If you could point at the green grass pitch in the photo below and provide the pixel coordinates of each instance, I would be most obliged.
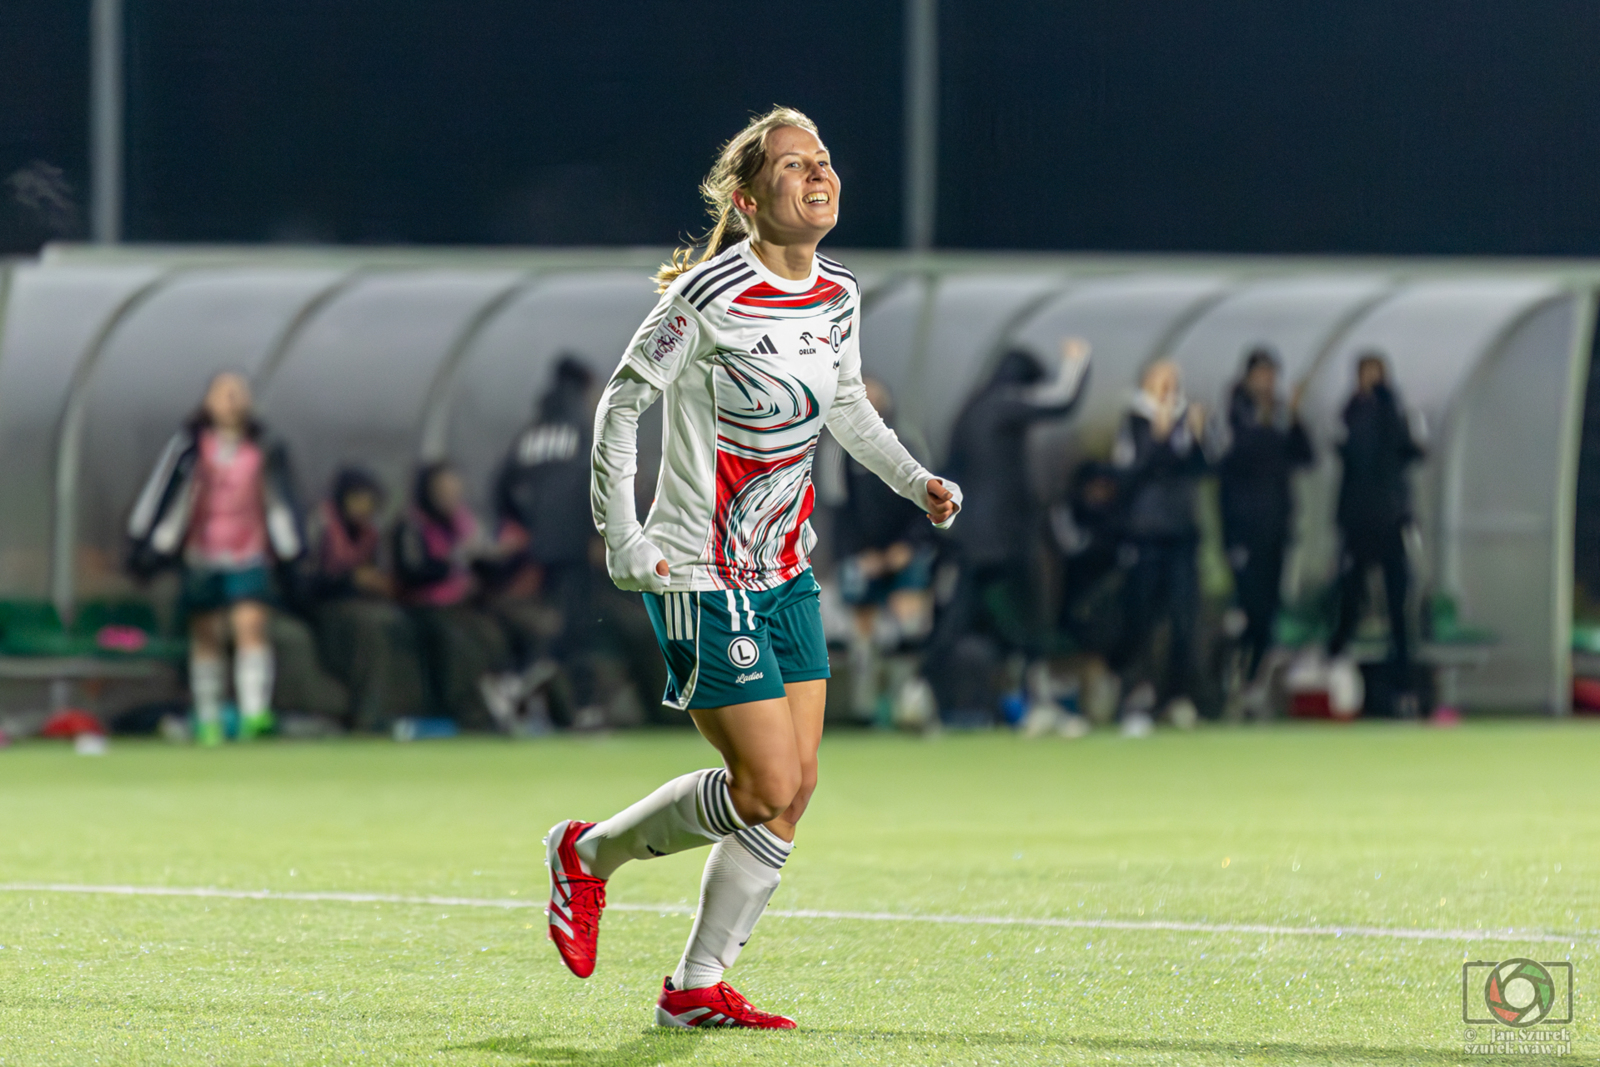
(1490, 826)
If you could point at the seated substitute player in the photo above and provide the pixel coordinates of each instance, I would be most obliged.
(755, 346)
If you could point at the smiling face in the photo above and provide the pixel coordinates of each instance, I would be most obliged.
(795, 197)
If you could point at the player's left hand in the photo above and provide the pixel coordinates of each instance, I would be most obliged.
(941, 504)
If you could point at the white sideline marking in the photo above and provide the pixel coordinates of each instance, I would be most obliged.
(1401, 933)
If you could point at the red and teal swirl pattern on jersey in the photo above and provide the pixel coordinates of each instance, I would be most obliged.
(767, 426)
(764, 301)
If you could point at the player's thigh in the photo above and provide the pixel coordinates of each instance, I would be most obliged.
(807, 701)
(758, 744)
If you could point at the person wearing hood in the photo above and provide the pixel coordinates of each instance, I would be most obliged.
(1374, 510)
(994, 543)
(439, 550)
(1160, 458)
(542, 497)
(1267, 445)
(364, 638)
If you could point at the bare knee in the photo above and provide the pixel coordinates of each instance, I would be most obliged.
(250, 625)
(205, 634)
(808, 785)
(761, 794)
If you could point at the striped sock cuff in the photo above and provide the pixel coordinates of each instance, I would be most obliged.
(765, 846)
(716, 806)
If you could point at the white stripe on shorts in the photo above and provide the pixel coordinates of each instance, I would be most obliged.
(677, 611)
(733, 612)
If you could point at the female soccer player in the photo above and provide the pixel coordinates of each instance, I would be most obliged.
(221, 500)
(756, 347)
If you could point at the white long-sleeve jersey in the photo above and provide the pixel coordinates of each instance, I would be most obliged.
(753, 366)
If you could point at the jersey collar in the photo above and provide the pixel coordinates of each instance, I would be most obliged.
(788, 285)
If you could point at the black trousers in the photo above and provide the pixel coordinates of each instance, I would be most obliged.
(559, 625)
(1162, 583)
(1363, 550)
(1258, 582)
(459, 645)
(994, 598)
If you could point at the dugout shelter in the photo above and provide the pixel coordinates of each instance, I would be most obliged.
(386, 357)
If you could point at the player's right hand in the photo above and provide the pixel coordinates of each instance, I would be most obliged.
(637, 566)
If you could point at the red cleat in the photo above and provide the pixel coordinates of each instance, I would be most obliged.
(718, 1005)
(576, 899)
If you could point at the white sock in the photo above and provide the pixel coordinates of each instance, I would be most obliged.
(205, 685)
(252, 680)
(741, 876)
(688, 812)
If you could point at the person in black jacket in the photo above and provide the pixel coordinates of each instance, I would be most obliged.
(1159, 454)
(1374, 510)
(543, 491)
(1268, 445)
(1087, 530)
(994, 542)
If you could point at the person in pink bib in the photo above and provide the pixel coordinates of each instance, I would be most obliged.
(220, 504)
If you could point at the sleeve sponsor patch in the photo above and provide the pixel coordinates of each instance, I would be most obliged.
(672, 337)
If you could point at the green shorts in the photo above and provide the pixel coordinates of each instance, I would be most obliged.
(735, 646)
(215, 588)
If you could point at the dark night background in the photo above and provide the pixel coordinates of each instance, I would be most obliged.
(1469, 126)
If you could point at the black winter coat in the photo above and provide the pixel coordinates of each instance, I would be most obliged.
(989, 459)
(1374, 494)
(159, 523)
(1158, 479)
(544, 482)
(1256, 498)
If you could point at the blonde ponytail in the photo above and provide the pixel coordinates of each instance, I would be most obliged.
(737, 165)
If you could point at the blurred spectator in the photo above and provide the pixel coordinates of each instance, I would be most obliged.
(1087, 531)
(365, 639)
(995, 540)
(542, 495)
(437, 544)
(884, 547)
(1159, 455)
(1267, 445)
(1374, 510)
(221, 499)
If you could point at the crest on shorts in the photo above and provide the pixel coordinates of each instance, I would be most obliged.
(742, 652)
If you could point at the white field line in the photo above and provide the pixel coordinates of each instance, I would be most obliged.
(1400, 933)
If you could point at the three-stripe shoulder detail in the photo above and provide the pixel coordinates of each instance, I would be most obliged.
(721, 284)
(834, 267)
(704, 275)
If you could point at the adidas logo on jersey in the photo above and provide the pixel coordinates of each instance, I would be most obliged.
(765, 346)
